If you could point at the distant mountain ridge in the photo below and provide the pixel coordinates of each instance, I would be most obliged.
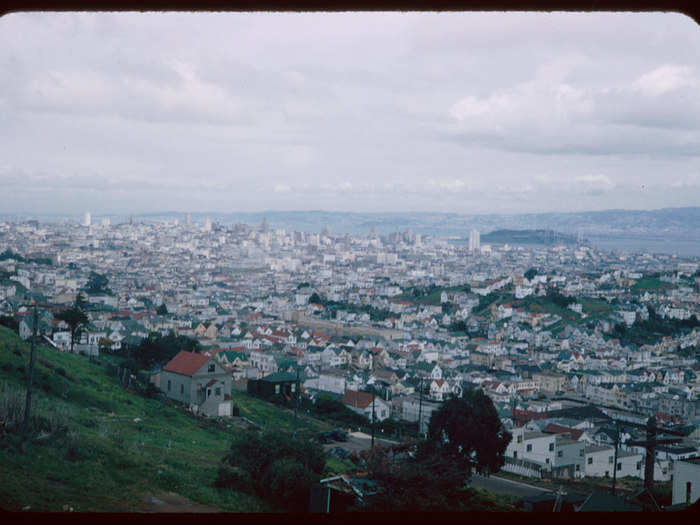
(627, 222)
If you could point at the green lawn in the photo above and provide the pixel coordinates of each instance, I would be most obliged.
(267, 414)
(650, 284)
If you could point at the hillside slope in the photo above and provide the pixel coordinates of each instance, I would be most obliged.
(98, 447)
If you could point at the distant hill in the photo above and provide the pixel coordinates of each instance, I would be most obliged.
(547, 237)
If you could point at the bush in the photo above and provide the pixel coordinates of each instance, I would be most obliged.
(289, 482)
(274, 465)
(6, 367)
(234, 478)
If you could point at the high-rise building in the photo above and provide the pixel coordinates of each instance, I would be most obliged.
(265, 227)
(106, 221)
(88, 219)
(187, 219)
(474, 241)
(207, 225)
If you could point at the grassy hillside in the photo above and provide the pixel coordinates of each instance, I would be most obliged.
(98, 447)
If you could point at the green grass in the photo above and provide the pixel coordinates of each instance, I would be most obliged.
(267, 414)
(650, 284)
(116, 461)
(336, 466)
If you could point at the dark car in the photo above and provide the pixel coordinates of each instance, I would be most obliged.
(338, 435)
(325, 437)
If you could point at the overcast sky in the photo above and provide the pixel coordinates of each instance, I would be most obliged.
(466, 113)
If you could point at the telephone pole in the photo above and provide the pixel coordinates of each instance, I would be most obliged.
(617, 444)
(28, 404)
(420, 404)
(373, 394)
(296, 403)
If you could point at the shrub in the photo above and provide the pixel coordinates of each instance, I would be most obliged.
(234, 478)
(6, 367)
(289, 482)
(61, 371)
(277, 467)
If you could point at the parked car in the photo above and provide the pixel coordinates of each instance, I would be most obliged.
(338, 435)
(325, 437)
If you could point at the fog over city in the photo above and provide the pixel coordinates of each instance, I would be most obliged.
(368, 112)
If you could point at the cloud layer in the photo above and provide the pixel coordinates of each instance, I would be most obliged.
(461, 112)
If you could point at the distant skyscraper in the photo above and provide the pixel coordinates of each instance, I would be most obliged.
(265, 227)
(207, 225)
(474, 241)
(88, 219)
(187, 219)
(106, 221)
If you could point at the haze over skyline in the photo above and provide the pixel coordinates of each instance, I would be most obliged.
(369, 112)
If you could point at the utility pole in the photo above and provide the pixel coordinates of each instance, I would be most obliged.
(296, 403)
(420, 404)
(617, 444)
(373, 394)
(28, 404)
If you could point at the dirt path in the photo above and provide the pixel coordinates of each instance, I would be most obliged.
(171, 502)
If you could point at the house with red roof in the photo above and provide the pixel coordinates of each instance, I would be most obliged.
(198, 381)
(361, 402)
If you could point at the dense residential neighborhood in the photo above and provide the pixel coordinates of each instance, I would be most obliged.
(566, 340)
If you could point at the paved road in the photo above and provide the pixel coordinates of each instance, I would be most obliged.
(358, 443)
(506, 486)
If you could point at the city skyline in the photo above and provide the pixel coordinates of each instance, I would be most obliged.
(473, 113)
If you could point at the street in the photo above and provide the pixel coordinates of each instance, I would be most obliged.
(500, 485)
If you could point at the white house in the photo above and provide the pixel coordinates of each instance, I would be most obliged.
(364, 403)
(686, 481)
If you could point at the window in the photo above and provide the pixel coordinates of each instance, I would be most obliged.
(590, 461)
(560, 453)
(551, 447)
(688, 487)
(610, 460)
(547, 461)
(607, 473)
(515, 454)
(520, 439)
(212, 367)
(277, 389)
(580, 452)
(529, 448)
(294, 387)
(639, 465)
(208, 392)
(169, 385)
(182, 389)
(619, 466)
(578, 467)
(217, 392)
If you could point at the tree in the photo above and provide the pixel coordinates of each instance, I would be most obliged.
(97, 284)
(274, 465)
(105, 344)
(530, 274)
(159, 349)
(162, 309)
(468, 432)
(75, 318)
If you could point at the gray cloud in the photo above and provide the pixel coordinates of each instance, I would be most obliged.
(464, 112)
